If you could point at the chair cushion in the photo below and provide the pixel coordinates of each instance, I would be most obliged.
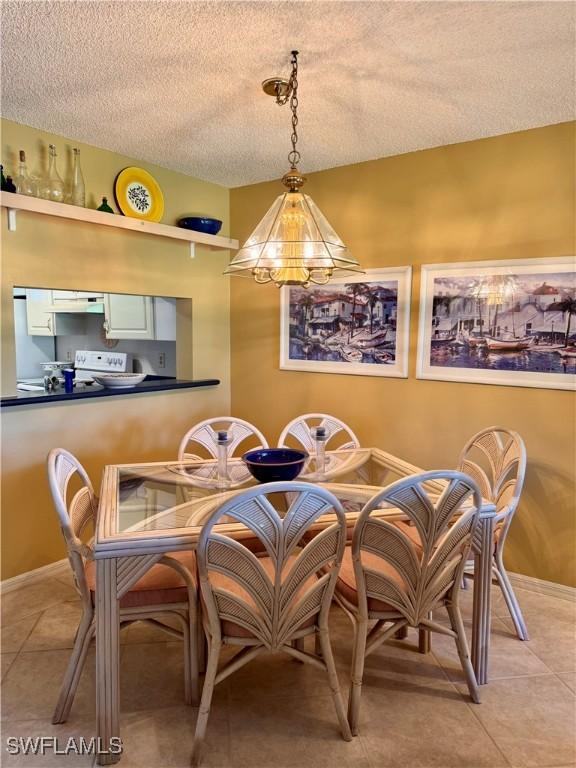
(220, 581)
(346, 584)
(160, 585)
(411, 531)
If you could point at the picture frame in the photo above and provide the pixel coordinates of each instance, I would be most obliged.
(353, 325)
(510, 323)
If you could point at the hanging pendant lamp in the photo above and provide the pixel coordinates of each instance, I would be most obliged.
(293, 244)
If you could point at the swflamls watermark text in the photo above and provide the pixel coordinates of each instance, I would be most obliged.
(44, 745)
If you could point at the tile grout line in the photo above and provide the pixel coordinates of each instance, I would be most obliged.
(481, 724)
(19, 651)
(564, 683)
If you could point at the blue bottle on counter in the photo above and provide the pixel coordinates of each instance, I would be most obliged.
(68, 374)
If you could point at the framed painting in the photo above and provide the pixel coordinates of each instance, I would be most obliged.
(357, 325)
(499, 322)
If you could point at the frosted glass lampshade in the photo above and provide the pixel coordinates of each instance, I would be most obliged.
(293, 245)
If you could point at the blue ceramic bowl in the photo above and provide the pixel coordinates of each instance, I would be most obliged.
(200, 224)
(268, 465)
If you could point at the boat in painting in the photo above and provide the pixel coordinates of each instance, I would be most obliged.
(374, 340)
(567, 352)
(442, 342)
(512, 344)
(473, 341)
(383, 357)
(351, 354)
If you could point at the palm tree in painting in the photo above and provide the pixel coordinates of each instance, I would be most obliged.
(567, 305)
(356, 289)
(306, 303)
(372, 301)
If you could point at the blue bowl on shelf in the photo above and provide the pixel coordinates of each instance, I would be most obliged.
(269, 465)
(201, 224)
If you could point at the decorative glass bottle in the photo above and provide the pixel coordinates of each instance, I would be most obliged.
(104, 206)
(52, 187)
(25, 184)
(223, 441)
(319, 436)
(78, 190)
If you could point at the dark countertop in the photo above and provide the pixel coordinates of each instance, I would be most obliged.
(150, 384)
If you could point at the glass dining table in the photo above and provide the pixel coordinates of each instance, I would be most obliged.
(149, 510)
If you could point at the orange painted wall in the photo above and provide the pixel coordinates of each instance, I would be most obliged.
(508, 197)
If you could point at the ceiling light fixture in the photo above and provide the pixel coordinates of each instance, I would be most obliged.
(293, 244)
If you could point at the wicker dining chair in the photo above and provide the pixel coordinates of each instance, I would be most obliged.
(299, 430)
(269, 603)
(397, 579)
(496, 459)
(205, 436)
(166, 591)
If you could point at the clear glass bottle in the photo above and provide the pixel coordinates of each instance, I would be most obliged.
(52, 187)
(319, 436)
(78, 190)
(25, 184)
(223, 441)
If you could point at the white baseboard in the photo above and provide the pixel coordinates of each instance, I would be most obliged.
(31, 577)
(550, 588)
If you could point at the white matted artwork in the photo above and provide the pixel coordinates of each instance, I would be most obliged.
(357, 325)
(511, 323)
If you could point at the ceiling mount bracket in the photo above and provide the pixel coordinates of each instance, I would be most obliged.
(278, 87)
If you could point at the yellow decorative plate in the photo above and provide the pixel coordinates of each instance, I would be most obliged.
(138, 194)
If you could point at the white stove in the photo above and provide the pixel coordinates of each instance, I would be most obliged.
(86, 363)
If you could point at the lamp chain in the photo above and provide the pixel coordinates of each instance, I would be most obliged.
(292, 94)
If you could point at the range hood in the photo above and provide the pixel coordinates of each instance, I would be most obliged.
(77, 306)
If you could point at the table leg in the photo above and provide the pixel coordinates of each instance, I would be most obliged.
(107, 662)
(482, 593)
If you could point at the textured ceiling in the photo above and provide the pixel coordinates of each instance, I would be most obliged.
(178, 83)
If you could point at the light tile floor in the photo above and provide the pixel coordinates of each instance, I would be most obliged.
(276, 712)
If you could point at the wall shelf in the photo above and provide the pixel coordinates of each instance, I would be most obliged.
(13, 202)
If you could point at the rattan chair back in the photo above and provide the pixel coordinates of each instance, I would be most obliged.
(496, 459)
(418, 580)
(272, 608)
(76, 514)
(204, 435)
(299, 431)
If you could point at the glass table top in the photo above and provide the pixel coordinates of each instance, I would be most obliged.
(157, 497)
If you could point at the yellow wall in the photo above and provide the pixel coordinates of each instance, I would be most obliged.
(500, 198)
(54, 253)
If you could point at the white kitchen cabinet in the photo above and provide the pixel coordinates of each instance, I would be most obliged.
(164, 319)
(73, 295)
(41, 322)
(128, 317)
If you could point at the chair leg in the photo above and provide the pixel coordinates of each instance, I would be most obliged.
(205, 702)
(425, 639)
(510, 597)
(462, 645)
(84, 634)
(402, 633)
(192, 649)
(324, 640)
(187, 662)
(360, 632)
(299, 645)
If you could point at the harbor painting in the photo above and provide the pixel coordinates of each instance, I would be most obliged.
(511, 323)
(356, 325)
